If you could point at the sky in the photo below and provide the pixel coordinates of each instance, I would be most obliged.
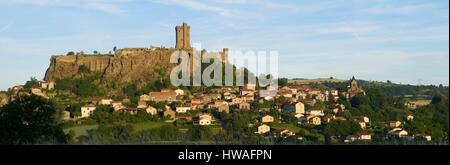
(404, 41)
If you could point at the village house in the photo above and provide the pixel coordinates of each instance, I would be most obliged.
(365, 136)
(398, 132)
(182, 109)
(211, 97)
(310, 102)
(363, 121)
(166, 90)
(117, 105)
(283, 133)
(224, 108)
(269, 98)
(248, 98)
(151, 110)
(286, 94)
(299, 108)
(66, 115)
(87, 111)
(340, 118)
(410, 117)
(262, 129)
(328, 118)
(244, 106)
(264, 110)
(168, 96)
(144, 97)
(131, 111)
(211, 105)
(3, 99)
(393, 123)
(320, 97)
(292, 100)
(38, 92)
(314, 120)
(105, 102)
(205, 119)
(296, 107)
(170, 113)
(227, 96)
(299, 115)
(334, 95)
(267, 119)
(362, 124)
(219, 103)
(361, 136)
(290, 89)
(196, 101)
(334, 92)
(185, 118)
(301, 95)
(423, 136)
(142, 105)
(194, 106)
(351, 138)
(313, 92)
(315, 112)
(47, 85)
(236, 100)
(179, 92)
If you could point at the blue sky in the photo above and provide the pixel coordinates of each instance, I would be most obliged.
(399, 40)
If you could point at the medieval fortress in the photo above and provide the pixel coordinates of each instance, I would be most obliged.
(128, 64)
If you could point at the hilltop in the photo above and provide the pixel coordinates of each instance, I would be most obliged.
(317, 80)
(110, 73)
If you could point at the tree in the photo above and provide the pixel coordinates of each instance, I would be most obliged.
(169, 133)
(102, 114)
(437, 99)
(70, 53)
(283, 82)
(197, 133)
(109, 134)
(359, 100)
(342, 128)
(30, 120)
(33, 82)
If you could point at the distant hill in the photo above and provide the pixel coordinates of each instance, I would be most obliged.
(317, 80)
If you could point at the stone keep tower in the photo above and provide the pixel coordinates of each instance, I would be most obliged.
(183, 36)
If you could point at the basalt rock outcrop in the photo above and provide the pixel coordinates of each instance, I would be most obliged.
(125, 66)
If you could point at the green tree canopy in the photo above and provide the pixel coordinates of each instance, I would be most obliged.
(30, 120)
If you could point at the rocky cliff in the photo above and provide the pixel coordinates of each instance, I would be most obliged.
(124, 67)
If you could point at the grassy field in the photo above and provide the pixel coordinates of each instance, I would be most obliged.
(80, 130)
(148, 125)
(290, 127)
(422, 102)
